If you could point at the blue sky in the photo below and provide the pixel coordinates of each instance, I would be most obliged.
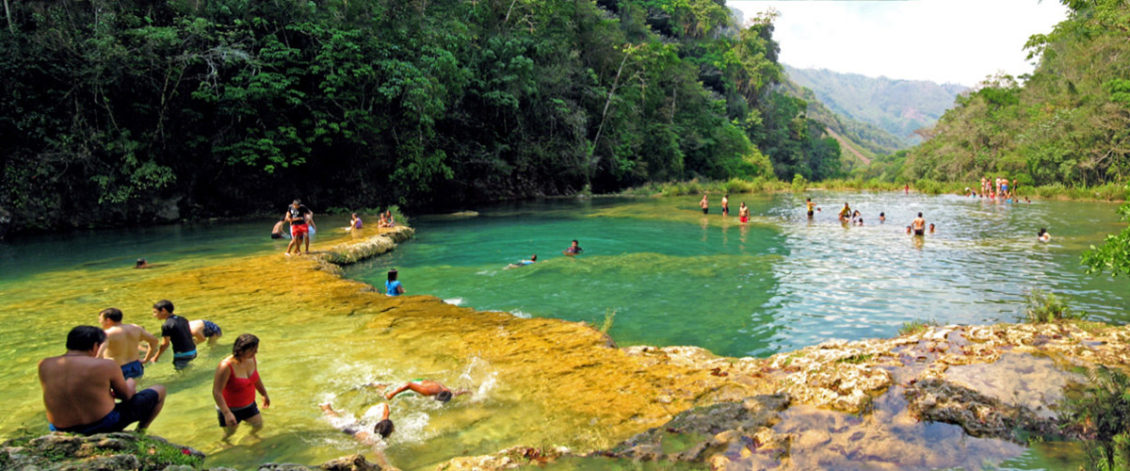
(957, 41)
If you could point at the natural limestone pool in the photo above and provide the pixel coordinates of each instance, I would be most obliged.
(534, 382)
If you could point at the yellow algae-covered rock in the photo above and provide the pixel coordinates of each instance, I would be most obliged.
(358, 249)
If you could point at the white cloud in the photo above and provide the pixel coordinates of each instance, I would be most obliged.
(960, 41)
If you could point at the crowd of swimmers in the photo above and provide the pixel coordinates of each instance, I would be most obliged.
(93, 387)
(918, 227)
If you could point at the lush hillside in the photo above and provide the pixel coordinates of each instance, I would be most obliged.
(1069, 122)
(860, 143)
(899, 107)
(129, 111)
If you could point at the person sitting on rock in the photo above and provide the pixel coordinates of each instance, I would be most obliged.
(79, 389)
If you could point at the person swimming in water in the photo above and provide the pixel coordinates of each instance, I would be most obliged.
(1043, 235)
(424, 387)
(142, 263)
(931, 228)
(393, 286)
(533, 259)
(882, 218)
(574, 249)
(384, 427)
(919, 225)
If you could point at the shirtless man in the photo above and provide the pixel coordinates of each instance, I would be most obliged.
(122, 341)
(79, 389)
(423, 387)
(919, 225)
(704, 204)
(205, 330)
(383, 427)
(725, 205)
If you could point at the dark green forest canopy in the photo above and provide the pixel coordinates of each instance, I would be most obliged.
(133, 111)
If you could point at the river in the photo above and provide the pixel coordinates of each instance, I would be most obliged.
(656, 271)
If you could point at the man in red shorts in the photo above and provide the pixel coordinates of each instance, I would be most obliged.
(296, 215)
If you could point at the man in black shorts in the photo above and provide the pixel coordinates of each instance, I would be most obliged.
(75, 385)
(174, 330)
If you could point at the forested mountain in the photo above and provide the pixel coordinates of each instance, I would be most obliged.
(132, 111)
(1066, 123)
(899, 107)
(860, 142)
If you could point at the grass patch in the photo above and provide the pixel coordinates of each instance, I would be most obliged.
(914, 327)
(856, 359)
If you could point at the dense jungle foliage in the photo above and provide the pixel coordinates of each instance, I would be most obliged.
(132, 111)
(1067, 123)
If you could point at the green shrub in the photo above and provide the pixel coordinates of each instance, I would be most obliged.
(736, 186)
(1100, 411)
(799, 183)
(1047, 307)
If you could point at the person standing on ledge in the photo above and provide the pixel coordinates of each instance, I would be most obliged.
(122, 342)
(77, 387)
(393, 286)
(297, 215)
(234, 386)
(174, 330)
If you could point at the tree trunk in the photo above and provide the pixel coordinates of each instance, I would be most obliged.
(8, 14)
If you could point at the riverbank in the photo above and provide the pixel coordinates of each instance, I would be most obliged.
(1057, 191)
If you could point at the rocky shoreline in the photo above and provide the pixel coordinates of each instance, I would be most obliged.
(947, 396)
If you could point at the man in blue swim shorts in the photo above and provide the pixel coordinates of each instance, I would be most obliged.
(205, 330)
(174, 330)
(122, 341)
(75, 384)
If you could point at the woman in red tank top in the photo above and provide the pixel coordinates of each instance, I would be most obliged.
(237, 379)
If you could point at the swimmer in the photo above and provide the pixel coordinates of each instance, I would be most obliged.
(123, 342)
(1043, 235)
(704, 204)
(531, 261)
(809, 204)
(423, 387)
(725, 205)
(383, 427)
(393, 286)
(743, 213)
(882, 218)
(919, 225)
(277, 232)
(205, 330)
(907, 230)
(573, 249)
(142, 263)
(855, 216)
(931, 228)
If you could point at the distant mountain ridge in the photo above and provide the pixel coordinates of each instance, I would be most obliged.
(897, 106)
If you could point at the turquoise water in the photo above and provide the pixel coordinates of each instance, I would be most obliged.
(666, 275)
